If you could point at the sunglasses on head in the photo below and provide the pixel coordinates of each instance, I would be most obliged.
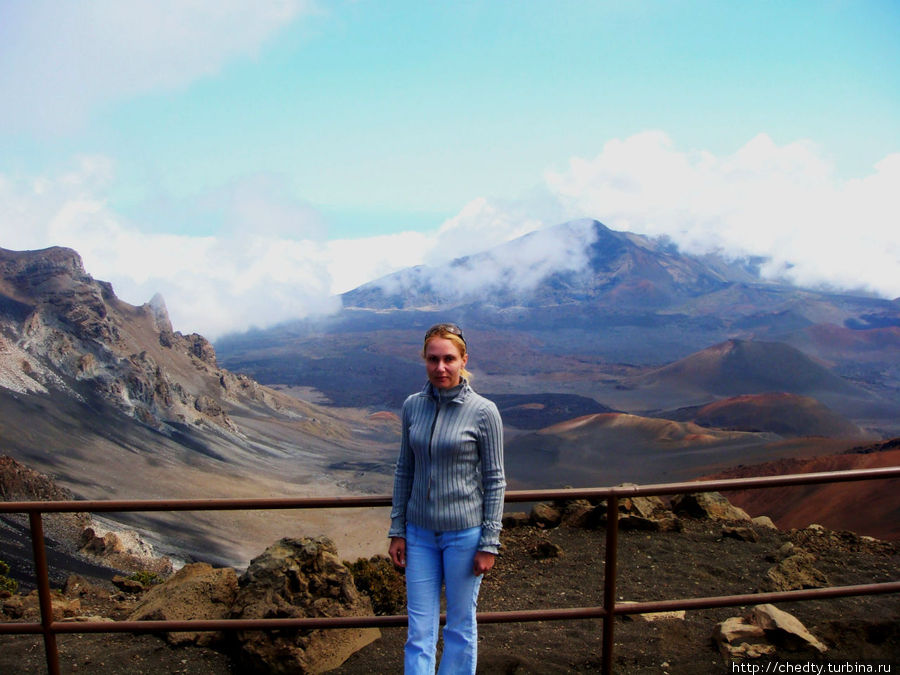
(441, 328)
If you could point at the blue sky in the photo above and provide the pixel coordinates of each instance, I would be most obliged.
(250, 159)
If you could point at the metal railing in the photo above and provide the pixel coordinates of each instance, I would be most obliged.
(607, 612)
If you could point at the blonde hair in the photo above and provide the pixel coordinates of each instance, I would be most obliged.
(452, 332)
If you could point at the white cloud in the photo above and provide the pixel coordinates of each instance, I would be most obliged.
(271, 262)
(783, 202)
(212, 285)
(61, 59)
(354, 262)
(522, 265)
(263, 204)
(480, 225)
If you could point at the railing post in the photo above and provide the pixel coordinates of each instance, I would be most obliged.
(42, 577)
(609, 581)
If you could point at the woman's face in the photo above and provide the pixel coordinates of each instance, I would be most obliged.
(443, 363)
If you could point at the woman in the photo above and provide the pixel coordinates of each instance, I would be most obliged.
(447, 504)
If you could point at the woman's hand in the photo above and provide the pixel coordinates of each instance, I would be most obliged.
(484, 561)
(397, 551)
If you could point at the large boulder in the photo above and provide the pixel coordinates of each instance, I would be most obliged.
(515, 519)
(638, 513)
(765, 631)
(785, 630)
(708, 506)
(28, 607)
(197, 591)
(738, 639)
(546, 514)
(296, 578)
(578, 513)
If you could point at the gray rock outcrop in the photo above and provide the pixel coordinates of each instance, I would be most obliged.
(64, 331)
(110, 549)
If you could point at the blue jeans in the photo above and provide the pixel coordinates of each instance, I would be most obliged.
(433, 558)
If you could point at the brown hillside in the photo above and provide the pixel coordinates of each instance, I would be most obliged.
(112, 402)
(737, 367)
(780, 413)
(869, 507)
(612, 448)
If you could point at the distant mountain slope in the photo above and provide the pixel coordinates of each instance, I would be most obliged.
(584, 310)
(612, 448)
(577, 262)
(865, 351)
(780, 413)
(67, 332)
(748, 367)
(111, 402)
(869, 507)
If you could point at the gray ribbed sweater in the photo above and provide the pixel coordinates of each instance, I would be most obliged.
(449, 473)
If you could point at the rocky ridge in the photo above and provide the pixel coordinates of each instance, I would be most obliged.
(61, 329)
(113, 403)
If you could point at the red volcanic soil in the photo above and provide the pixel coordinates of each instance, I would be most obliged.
(384, 416)
(780, 413)
(652, 428)
(614, 448)
(737, 367)
(865, 507)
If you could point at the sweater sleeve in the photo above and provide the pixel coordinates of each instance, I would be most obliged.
(493, 478)
(403, 480)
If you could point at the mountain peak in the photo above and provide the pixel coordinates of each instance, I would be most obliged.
(32, 274)
(580, 260)
(738, 366)
(159, 312)
(54, 257)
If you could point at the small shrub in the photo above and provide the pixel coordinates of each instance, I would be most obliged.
(7, 584)
(145, 578)
(385, 586)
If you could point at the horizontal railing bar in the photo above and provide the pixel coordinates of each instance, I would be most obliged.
(623, 607)
(362, 501)
(511, 616)
(717, 485)
(227, 504)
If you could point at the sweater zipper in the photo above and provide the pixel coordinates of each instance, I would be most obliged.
(437, 411)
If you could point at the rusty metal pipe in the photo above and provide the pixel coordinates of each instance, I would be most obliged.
(718, 485)
(828, 593)
(510, 616)
(42, 575)
(364, 501)
(225, 504)
(609, 582)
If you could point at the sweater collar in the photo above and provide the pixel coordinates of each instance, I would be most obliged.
(455, 394)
